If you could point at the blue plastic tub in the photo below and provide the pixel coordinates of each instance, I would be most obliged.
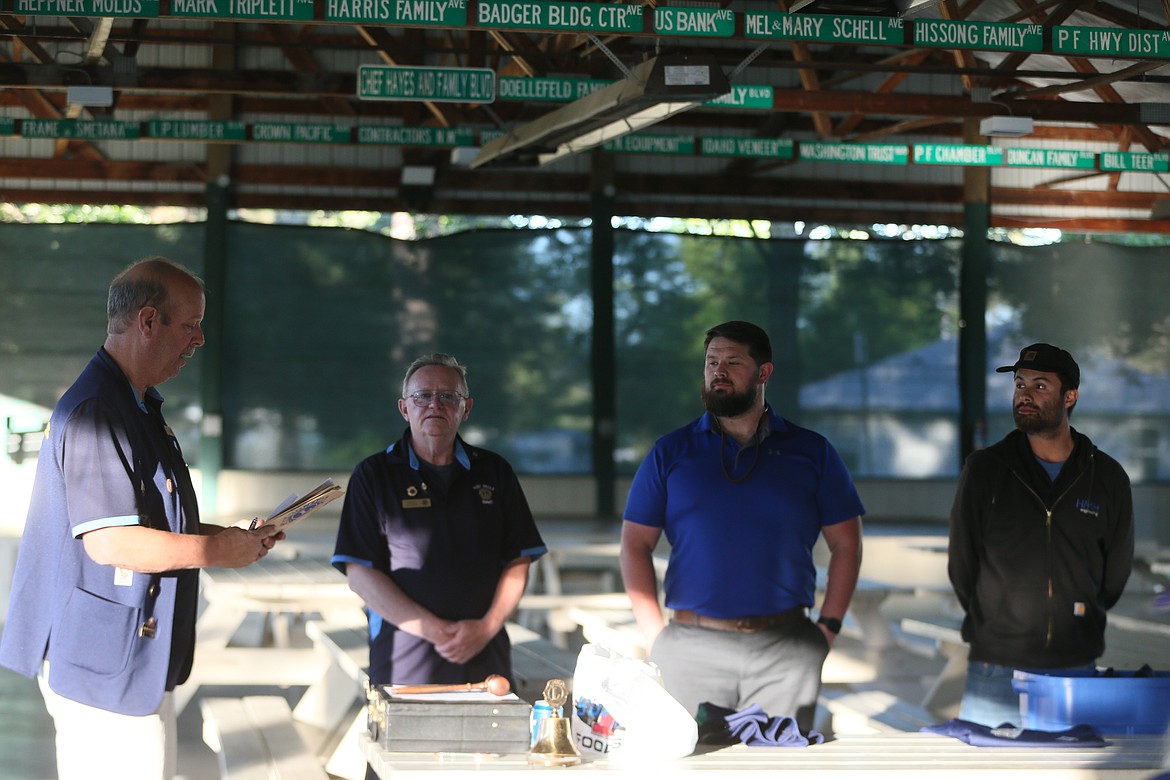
(1120, 704)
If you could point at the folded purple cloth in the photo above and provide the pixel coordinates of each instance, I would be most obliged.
(1000, 736)
(752, 726)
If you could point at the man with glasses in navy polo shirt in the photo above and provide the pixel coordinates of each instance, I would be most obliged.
(742, 495)
(436, 537)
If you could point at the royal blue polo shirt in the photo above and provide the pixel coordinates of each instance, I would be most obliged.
(741, 521)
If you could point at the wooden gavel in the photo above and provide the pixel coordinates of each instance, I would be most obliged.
(495, 684)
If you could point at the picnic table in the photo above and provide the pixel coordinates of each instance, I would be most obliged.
(894, 755)
(275, 588)
(334, 703)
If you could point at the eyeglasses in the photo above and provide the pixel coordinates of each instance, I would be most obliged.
(424, 398)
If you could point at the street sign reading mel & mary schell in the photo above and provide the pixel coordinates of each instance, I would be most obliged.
(439, 85)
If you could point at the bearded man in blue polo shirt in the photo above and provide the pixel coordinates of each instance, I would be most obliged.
(742, 495)
(105, 590)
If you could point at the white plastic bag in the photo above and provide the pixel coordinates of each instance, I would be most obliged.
(622, 712)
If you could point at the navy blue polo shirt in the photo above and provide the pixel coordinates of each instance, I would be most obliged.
(445, 547)
(109, 460)
(741, 533)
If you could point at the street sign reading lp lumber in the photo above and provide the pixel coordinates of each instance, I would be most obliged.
(440, 85)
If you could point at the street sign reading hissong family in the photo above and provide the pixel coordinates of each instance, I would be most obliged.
(955, 34)
(439, 85)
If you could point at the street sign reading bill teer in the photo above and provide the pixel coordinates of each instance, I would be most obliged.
(440, 85)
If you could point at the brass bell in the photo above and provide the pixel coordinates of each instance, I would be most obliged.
(554, 744)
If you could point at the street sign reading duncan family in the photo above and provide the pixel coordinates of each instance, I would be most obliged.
(439, 85)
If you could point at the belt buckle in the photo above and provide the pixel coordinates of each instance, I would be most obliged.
(745, 624)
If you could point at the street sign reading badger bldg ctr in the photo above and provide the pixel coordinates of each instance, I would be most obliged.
(439, 85)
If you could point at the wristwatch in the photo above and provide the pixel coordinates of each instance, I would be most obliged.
(833, 624)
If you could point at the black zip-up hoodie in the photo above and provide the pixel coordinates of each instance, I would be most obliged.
(1036, 564)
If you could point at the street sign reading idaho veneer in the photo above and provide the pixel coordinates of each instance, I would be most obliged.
(439, 85)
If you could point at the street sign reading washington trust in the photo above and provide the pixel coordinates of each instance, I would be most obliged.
(439, 85)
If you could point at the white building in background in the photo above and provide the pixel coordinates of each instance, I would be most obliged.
(899, 417)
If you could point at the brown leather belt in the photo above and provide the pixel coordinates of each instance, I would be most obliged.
(744, 625)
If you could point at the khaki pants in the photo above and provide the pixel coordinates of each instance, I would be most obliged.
(778, 669)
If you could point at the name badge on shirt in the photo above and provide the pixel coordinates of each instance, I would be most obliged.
(415, 503)
(123, 577)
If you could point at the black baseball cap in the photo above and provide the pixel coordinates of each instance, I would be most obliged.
(1045, 357)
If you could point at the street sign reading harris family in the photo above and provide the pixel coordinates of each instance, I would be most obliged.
(439, 85)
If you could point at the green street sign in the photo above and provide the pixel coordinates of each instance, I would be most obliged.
(195, 130)
(544, 89)
(439, 85)
(649, 143)
(414, 136)
(957, 154)
(569, 16)
(780, 26)
(736, 146)
(7, 127)
(695, 22)
(951, 34)
(745, 96)
(1051, 158)
(289, 10)
(89, 129)
(141, 9)
(1109, 42)
(288, 132)
(1135, 161)
(444, 13)
(888, 154)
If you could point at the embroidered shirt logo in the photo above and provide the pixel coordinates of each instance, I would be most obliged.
(486, 493)
(1087, 507)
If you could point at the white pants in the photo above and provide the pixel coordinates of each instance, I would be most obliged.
(95, 744)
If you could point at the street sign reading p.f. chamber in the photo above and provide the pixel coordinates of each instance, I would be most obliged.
(440, 85)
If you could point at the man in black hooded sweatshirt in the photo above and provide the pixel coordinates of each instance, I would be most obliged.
(1041, 541)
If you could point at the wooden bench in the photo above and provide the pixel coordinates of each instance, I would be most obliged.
(946, 691)
(874, 711)
(254, 738)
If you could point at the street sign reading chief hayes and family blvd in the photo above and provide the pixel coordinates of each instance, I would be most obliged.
(440, 85)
